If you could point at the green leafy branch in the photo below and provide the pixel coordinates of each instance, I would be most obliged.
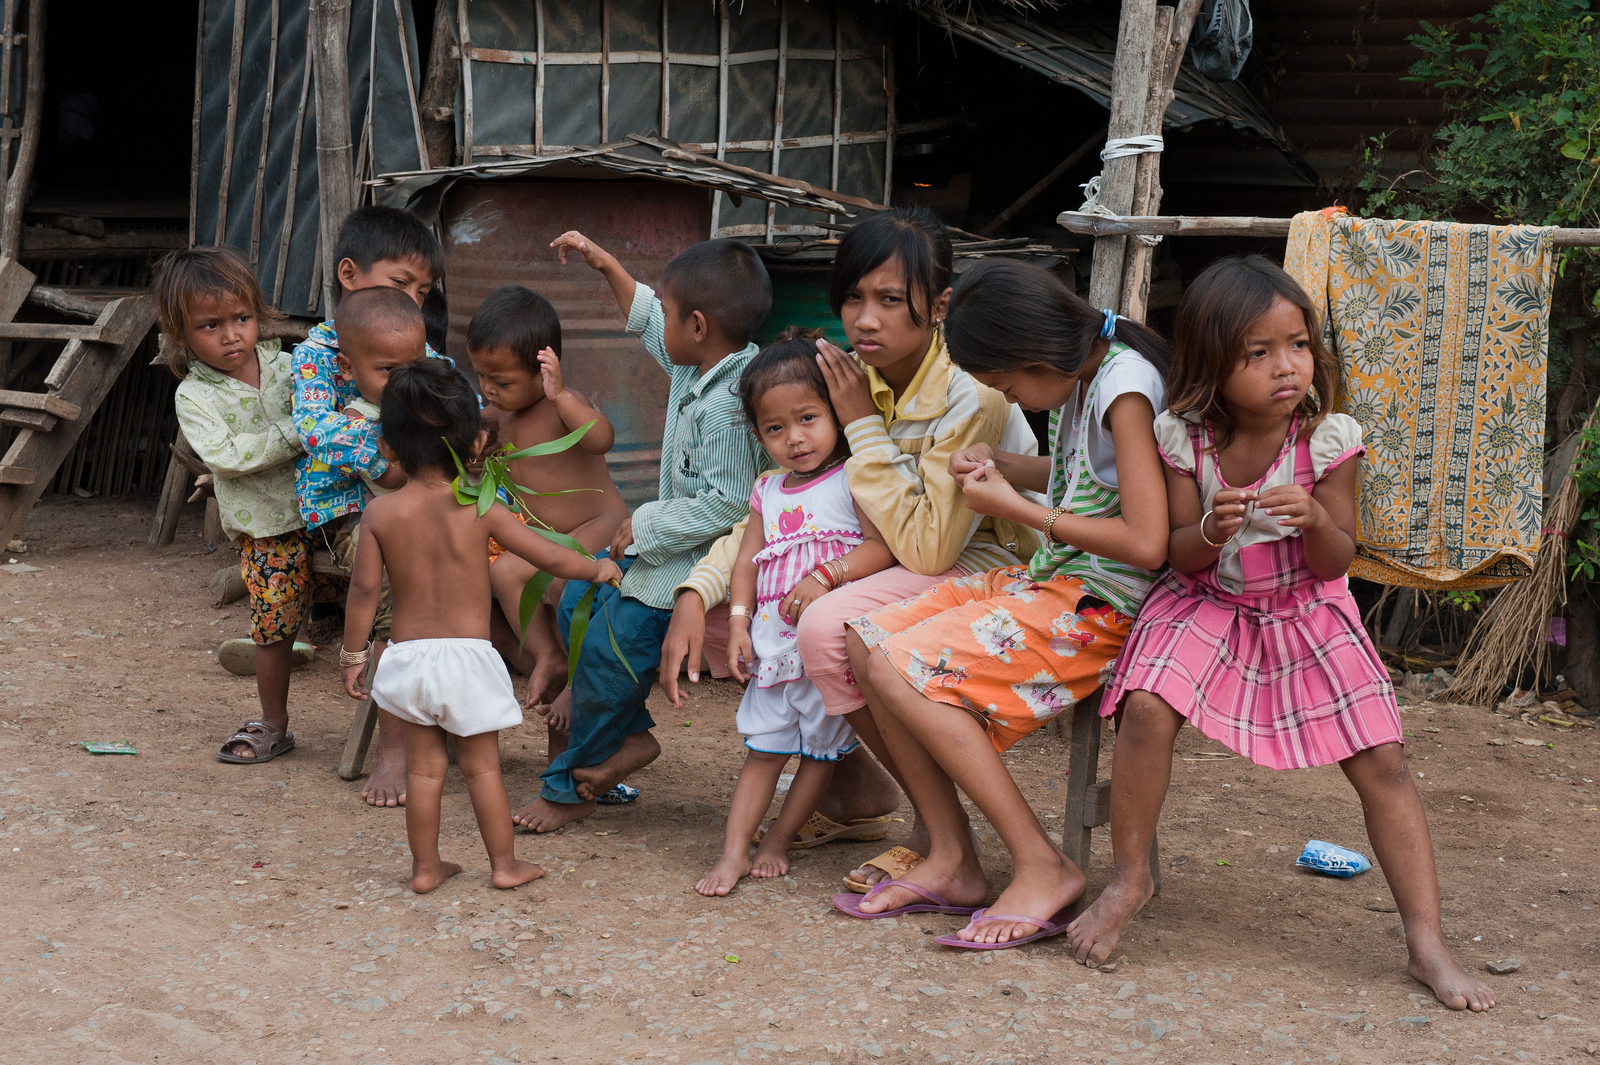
(482, 493)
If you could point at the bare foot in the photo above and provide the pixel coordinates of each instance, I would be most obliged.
(515, 875)
(1042, 893)
(549, 677)
(425, 878)
(1094, 934)
(387, 784)
(961, 885)
(721, 878)
(638, 751)
(1451, 984)
(772, 862)
(542, 815)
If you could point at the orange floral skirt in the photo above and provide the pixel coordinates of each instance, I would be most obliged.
(1011, 651)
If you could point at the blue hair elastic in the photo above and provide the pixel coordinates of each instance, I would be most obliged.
(1109, 330)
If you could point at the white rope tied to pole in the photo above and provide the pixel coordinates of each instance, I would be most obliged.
(1119, 148)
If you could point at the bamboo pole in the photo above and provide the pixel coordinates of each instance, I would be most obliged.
(1130, 87)
(330, 47)
(722, 107)
(1173, 26)
(230, 129)
(777, 107)
(266, 141)
(411, 89)
(1237, 226)
(293, 186)
(32, 110)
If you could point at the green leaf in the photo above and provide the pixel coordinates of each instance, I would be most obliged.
(611, 634)
(466, 494)
(552, 447)
(563, 539)
(532, 592)
(523, 489)
(486, 492)
(579, 629)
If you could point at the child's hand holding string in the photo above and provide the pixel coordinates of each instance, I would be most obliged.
(986, 491)
(847, 384)
(970, 460)
(1229, 508)
(1293, 506)
(608, 573)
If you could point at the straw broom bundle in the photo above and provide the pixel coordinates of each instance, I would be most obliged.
(1510, 636)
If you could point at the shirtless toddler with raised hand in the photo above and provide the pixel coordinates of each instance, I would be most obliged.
(514, 342)
(440, 673)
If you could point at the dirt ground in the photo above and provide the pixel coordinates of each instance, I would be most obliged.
(167, 907)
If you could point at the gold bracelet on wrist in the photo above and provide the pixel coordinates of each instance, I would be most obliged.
(1050, 522)
(739, 612)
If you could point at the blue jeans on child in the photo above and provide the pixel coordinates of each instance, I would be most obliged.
(607, 703)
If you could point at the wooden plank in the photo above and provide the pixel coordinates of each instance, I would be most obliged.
(72, 301)
(466, 78)
(362, 724)
(16, 281)
(292, 184)
(194, 121)
(19, 475)
(173, 491)
(666, 75)
(1239, 226)
(1083, 768)
(86, 388)
(47, 331)
(722, 106)
(439, 87)
(40, 401)
(266, 140)
(1130, 83)
(605, 70)
(37, 420)
(411, 92)
(777, 106)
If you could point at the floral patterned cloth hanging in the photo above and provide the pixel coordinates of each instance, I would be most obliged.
(1440, 329)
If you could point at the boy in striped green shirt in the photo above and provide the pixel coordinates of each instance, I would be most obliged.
(700, 329)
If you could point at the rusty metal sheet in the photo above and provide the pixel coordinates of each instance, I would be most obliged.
(498, 233)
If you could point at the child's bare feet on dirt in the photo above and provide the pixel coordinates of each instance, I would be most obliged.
(425, 878)
(638, 751)
(387, 784)
(724, 875)
(516, 874)
(1450, 983)
(960, 884)
(1040, 893)
(1094, 934)
(770, 863)
(542, 815)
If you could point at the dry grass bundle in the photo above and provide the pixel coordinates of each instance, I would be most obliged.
(1510, 637)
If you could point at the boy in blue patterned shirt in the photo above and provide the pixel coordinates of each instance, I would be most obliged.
(701, 330)
(377, 246)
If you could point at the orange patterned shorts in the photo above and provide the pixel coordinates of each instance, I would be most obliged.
(1011, 651)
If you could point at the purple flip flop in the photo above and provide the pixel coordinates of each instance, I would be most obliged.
(850, 902)
(1053, 927)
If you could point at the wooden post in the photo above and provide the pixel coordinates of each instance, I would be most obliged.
(1173, 26)
(336, 177)
(439, 87)
(16, 183)
(1130, 86)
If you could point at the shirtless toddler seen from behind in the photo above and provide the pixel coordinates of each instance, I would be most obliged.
(514, 342)
(440, 674)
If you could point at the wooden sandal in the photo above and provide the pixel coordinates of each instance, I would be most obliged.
(263, 737)
(896, 861)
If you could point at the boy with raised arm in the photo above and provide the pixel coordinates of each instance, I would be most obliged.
(701, 330)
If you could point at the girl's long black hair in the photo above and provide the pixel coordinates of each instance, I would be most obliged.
(1005, 315)
(912, 235)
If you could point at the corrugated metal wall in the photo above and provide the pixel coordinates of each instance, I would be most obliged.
(1332, 72)
(498, 233)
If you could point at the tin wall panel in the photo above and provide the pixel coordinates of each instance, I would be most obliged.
(498, 233)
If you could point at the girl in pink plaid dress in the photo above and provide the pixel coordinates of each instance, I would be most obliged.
(1251, 635)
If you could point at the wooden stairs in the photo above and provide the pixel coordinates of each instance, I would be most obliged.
(51, 421)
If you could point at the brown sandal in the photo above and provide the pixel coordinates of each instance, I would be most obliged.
(263, 737)
(896, 861)
(819, 830)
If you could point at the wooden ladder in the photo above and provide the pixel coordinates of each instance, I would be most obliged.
(51, 421)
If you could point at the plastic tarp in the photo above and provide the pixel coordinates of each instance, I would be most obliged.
(272, 223)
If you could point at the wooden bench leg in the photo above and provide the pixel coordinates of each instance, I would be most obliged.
(1083, 769)
(173, 492)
